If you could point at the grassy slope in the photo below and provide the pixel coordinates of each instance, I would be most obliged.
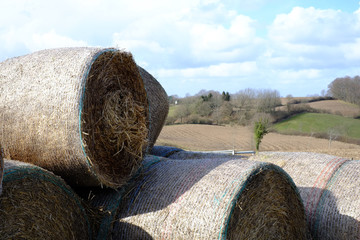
(320, 123)
(172, 110)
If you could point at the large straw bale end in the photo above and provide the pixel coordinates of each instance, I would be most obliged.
(81, 113)
(36, 204)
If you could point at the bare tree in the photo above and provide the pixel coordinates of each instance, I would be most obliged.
(204, 108)
(182, 111)
(346, 88)
(268, 100)
(244, 101)
(226, 110)
(289, 99)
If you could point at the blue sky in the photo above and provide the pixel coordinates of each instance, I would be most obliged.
(294, 46)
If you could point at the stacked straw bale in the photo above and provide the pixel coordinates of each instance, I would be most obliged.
(158, 106)
(203, 199)
(36, 204)
(330, 189)
(81, 113)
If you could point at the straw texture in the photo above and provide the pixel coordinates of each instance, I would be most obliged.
(203, 199)
(36, 204)
(330, 189)
(158, 106)
(79, 112)
(164, 151)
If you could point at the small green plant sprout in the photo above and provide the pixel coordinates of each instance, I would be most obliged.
(260, 129)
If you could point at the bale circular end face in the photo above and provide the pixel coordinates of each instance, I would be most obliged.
(114, 117)
(268, 208)
(36, 204)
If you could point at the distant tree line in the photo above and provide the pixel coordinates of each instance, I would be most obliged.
(346, 89)
(212, 107)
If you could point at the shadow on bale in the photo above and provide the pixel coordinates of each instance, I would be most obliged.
(324, 219)
(135, 231)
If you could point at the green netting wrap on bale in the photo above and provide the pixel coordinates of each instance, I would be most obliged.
(164, 151)
(79, 112)
(105, 202)
(36, 204)
(203, 199)
(185, 155)
(158, 106)
(330, 189)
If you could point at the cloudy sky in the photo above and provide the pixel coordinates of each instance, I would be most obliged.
(294, 46)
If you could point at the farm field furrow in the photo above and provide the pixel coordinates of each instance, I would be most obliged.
(209, 137)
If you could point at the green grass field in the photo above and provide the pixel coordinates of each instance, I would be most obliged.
(172, 110)
(320, 123)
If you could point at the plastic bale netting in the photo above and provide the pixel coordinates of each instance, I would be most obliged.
(203, 199)
(158, 106)
(81, 113)
(186, 155)
(36, 204)
(330, 189)
(164, 151)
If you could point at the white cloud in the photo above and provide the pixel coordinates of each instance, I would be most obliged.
(221, 70)
(90, 21)
(52, 40)
(216, 42)
(189, 40)
(194, 40)
(134, 45)
(32, 41)
(294, 76)
(314, 26)
(313, 38)
(247, 4)
(352, 50)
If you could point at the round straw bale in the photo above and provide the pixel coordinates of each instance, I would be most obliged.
(330, 190)
(158, 106)
(81, 113)
(164, 151)
(36, 204)
(204, 199)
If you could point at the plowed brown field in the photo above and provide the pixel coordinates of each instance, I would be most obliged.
(210, 137)
(332, 106)
(337, 106)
